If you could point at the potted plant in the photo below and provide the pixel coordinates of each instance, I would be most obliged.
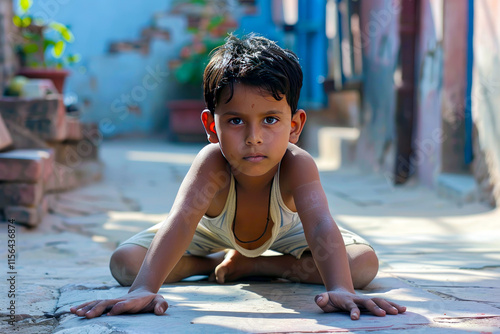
(41, 47)
(209, 22)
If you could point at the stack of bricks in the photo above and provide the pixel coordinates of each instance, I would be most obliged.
(42, 151)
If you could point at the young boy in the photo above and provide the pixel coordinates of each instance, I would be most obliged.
(250, 190)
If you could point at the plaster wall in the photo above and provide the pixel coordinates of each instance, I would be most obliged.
(126, 91)
(454, 86)
(429, 64)
(7, 60)
(380, 47)
(486, 94)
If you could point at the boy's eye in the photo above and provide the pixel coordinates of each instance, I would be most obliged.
(270, 120)
(235, 121)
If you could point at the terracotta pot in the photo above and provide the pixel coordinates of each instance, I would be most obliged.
(57, 76)
(185, 120)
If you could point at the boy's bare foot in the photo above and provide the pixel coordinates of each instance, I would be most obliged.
(233, 266)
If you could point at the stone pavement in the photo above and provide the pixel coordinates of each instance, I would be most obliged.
(439, 259)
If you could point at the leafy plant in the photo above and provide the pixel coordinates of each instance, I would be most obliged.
(42, 44)
(209, 22)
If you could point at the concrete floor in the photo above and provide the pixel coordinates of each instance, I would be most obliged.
(439, 259)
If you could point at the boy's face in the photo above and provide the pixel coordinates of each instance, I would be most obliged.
(254, 129)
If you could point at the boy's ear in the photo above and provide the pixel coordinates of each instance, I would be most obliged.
(298, 121)
(209, 123)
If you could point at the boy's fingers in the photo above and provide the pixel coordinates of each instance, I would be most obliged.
(119, 308)
(389, 307)
(220, 275)
(386, 306)
(100, 308)
(354, 311)
(81, 311)
(401, 309)
(352, 303)
(375, 309)
(323, 301)
(160, 305)
(76, 308)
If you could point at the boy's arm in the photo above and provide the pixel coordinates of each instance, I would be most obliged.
(173, 238)
(326, 243)
(192, 201)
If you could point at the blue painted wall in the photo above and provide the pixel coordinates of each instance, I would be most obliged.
(122, 92)
(379, 26)
(127, 92)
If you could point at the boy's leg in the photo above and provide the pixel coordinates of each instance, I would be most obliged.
(127, 260)
(363, 263)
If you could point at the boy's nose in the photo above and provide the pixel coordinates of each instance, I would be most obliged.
(254, 136)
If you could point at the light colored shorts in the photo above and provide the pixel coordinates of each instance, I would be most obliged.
(206, 242)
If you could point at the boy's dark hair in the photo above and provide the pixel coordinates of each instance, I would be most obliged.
(255, 61)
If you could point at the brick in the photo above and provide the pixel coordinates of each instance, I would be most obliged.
(26, 165)
(92, 138)
(30, 216)
(66, 178)
(24, 194)
(66, 154)
(141, 46)
(23, 138)
(156, 33)
(5, 137)
(73, 129)
(63, 178)
(72, 154)
(45, 117)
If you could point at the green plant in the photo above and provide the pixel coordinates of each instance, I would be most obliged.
(209, 22)
(42, 44)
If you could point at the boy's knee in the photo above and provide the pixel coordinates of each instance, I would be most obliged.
(363, 263)
(125, 263)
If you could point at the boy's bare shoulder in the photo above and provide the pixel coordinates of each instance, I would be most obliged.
(296, 157)
(298, 166)
(211, 153)
(210, 159)
(297, 152)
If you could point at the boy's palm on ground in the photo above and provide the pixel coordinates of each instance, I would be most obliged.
(341, 300)
(134, 302)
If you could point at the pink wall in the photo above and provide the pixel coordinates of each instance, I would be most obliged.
(429, 66)
(486, 88)
(454, 85)
(441, 66)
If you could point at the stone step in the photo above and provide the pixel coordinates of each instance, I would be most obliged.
(45, 117)
(73, 129)
(26, 165)
(27, 215)
(20, 194)
(460, 188)
(336, 147)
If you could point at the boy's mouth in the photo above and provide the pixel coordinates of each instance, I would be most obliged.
(254, 157)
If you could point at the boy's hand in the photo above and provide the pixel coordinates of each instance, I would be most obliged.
(134, 302)
(342, 300)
